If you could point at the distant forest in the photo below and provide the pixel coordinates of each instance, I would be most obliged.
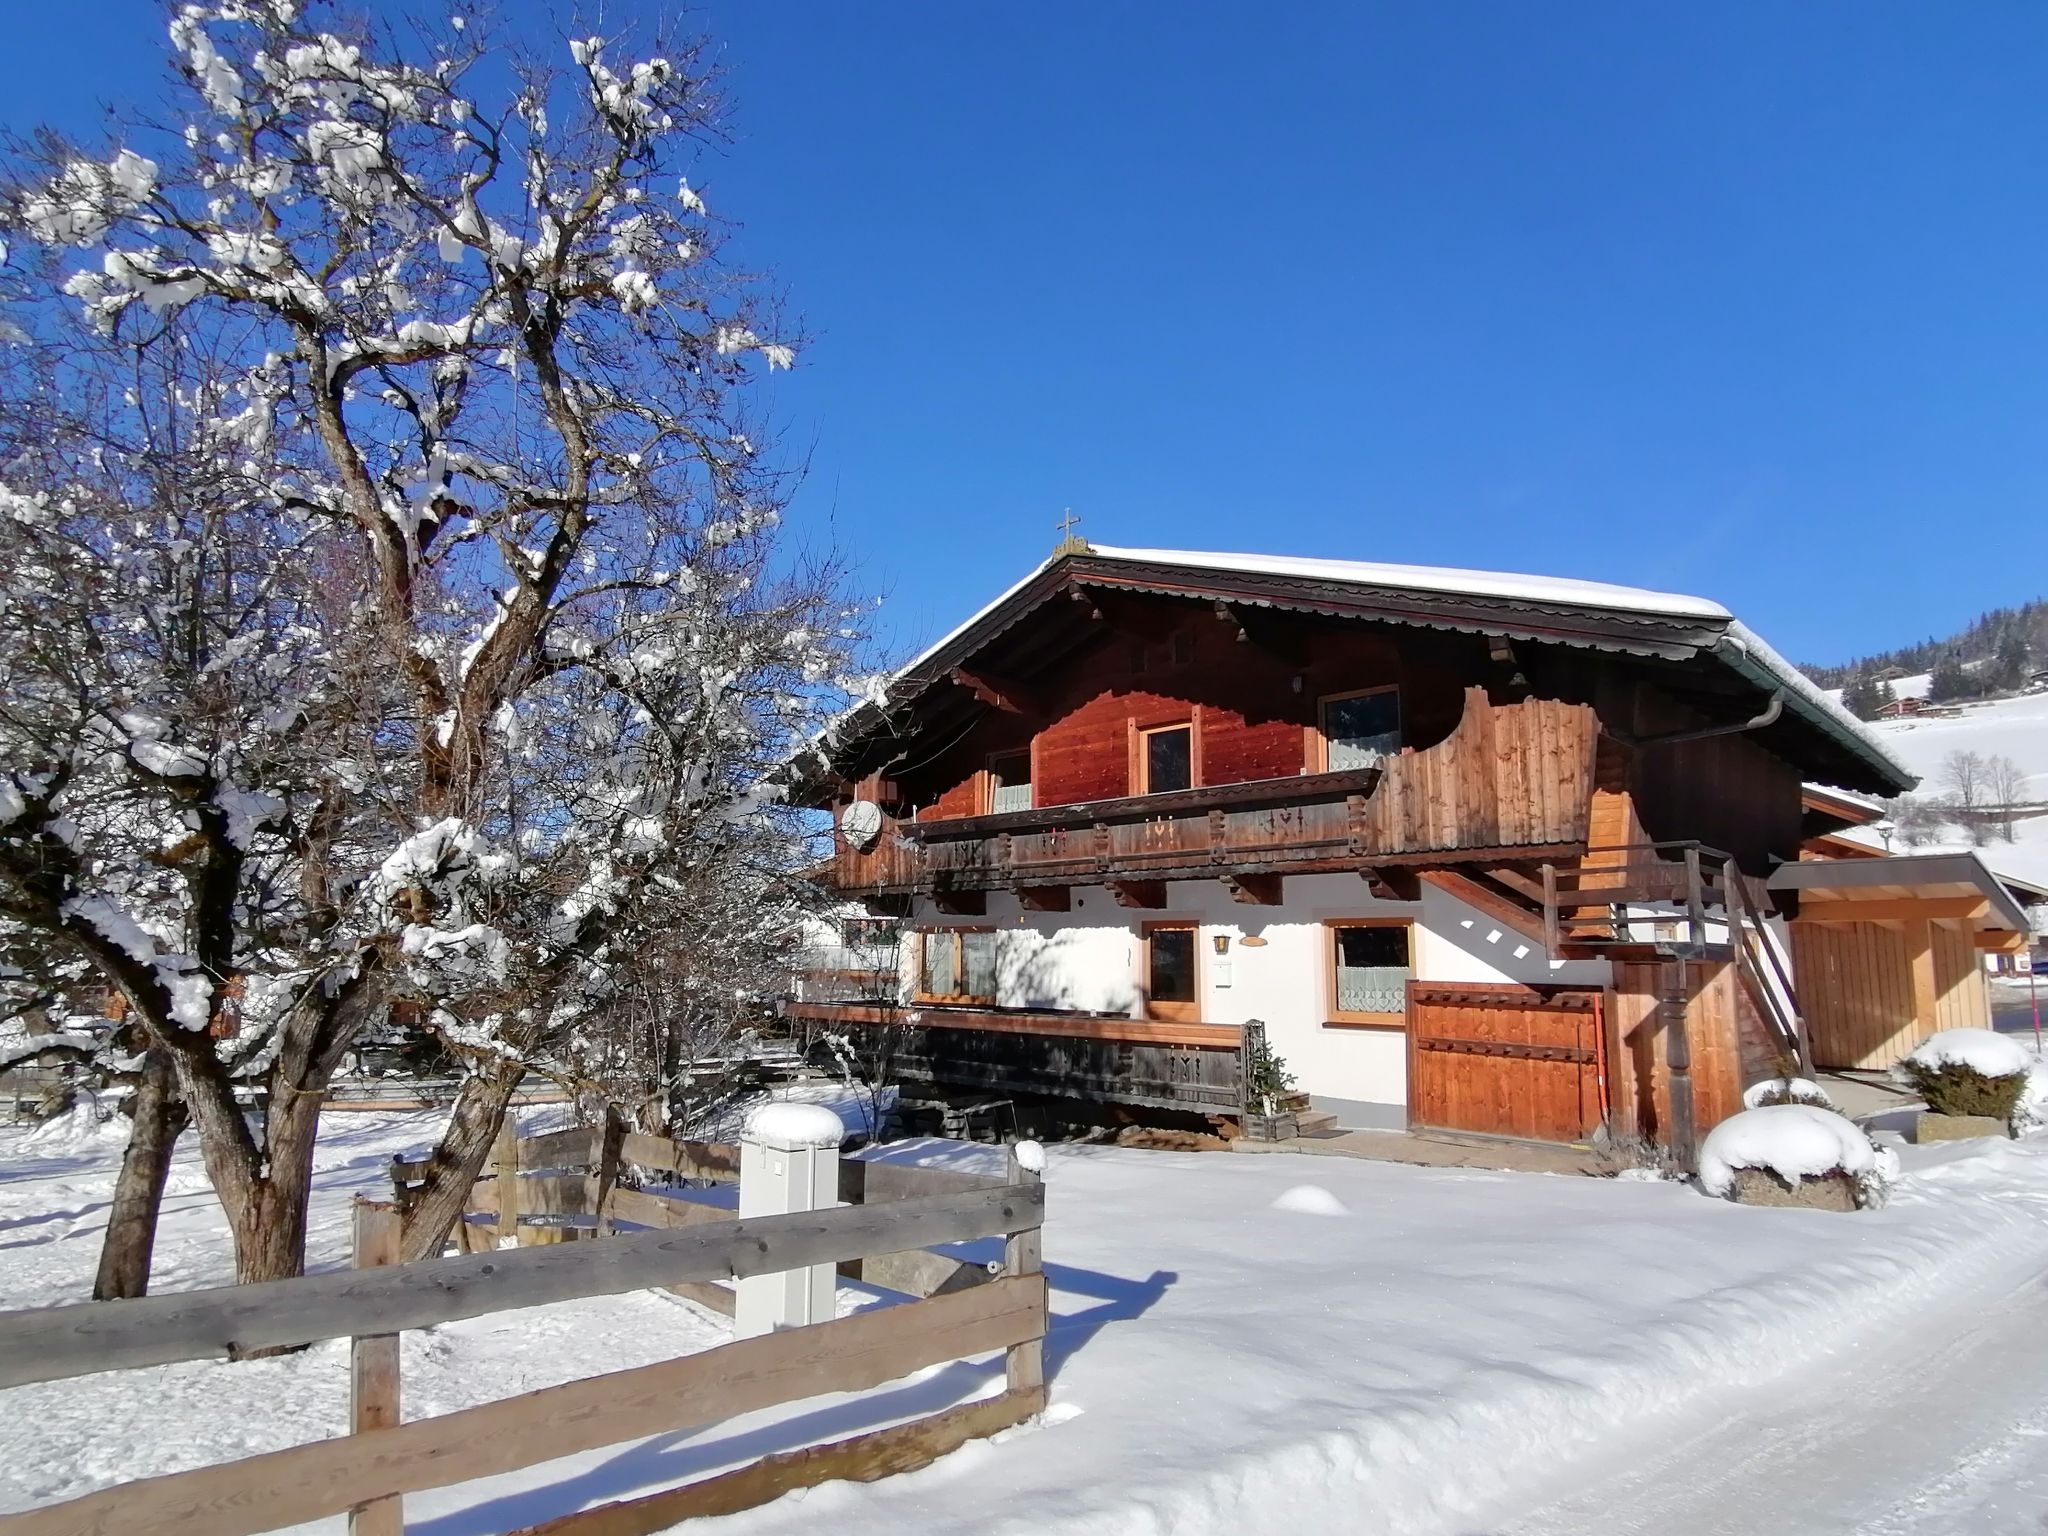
(1996, 653)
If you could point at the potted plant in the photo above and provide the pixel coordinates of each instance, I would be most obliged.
(1267, 1090)
(1972, 1080)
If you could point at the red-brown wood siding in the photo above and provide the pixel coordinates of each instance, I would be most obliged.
(1253, 723)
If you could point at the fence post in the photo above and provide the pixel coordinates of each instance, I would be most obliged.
(1024, 1364)
(789, 1162)
(610, 1143)
(1251, 1046)
(373, 1367)
(505, 1164)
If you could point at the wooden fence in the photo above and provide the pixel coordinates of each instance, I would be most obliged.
(965, 1310)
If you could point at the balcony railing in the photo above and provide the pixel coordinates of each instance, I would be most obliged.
(1511, 776)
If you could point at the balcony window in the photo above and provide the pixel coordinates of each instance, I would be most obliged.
(1360, 728)
(1370, 966)
(1167, 759)
(957, 965)
(1009, 782)
(1172, 982)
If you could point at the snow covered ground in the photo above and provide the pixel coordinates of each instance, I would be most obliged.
(2016, 728)
(1248, 1344)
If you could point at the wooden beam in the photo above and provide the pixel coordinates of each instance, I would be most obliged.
(1255, 890)
(1519, 884)
(2006, 941)
(1908, 909)
(1146, 894)
(373, 1388)
(1390, 883)
(860, 1458)
(1045, 898)
(997, 693)
(1023, 1022)
(1926, 985)
(53, 1343)
(961, 903)
(849, 1354)
(717, 1160)
(1489, 902)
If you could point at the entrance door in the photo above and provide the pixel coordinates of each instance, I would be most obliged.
(1172, 972)
(1498, 1059)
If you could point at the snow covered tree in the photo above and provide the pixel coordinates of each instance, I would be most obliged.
(446, 654)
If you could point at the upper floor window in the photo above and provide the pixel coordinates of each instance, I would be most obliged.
(1360, 728)
(1166, 759)
(1009, 782)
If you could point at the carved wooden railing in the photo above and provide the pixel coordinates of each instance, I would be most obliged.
(1510, 776)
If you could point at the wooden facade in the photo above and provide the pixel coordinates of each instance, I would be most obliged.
(1511, 777)
(1858, 982)
(1505, 1060)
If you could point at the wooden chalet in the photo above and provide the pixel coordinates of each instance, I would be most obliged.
(1481, 853)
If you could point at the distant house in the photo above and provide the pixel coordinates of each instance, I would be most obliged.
(1474, 852)
(1897, 709)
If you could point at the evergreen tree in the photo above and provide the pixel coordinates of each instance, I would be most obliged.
(1950, 680)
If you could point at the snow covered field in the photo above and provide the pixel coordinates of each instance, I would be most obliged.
(1247, 1344)
(2016, 728)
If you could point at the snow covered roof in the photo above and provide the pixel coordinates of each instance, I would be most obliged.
(1905, 875)
(1552, 609)
(1439, 578)
(1442, 580)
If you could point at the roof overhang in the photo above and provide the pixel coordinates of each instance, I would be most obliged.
(1954, 887)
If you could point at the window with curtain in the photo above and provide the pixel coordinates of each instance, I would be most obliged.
(1360, 729)
(1009, 778)
(1370, 968)
(958, 965)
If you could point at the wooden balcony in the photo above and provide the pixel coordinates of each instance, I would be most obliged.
(1511, 776)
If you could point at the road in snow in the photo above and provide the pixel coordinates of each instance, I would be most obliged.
(1933, 1432)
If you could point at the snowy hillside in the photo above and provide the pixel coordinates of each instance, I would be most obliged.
(2016, 728)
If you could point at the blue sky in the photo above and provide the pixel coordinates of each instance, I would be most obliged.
(1739, 299)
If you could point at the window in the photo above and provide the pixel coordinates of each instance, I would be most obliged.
(1172, 982)
(1167, 759)
(868, 932)
(957, 965)
(1360, 728)
(1009, 782)
(1370, 964)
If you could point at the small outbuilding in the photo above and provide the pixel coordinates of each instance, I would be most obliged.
(1886, 950)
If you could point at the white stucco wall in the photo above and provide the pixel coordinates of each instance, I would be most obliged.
(1088, 959)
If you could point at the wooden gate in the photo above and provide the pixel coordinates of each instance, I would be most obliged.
(1499, 1059)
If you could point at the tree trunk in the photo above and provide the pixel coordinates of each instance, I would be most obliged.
(443, 1194)
(160, 1118)
(269, 1222)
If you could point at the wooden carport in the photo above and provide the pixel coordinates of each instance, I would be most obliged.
(1886, 950)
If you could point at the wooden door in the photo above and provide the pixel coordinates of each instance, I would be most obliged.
(1498, 1059)
(1172, 981)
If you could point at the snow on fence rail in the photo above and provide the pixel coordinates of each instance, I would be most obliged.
(532, 1196)
(966, 1311)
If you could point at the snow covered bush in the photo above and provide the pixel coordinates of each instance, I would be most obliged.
(1795, 1144)
(1967, 1072)
(1786, 1090)
(392, 607)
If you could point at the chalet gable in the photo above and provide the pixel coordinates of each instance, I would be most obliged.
(1009, 655)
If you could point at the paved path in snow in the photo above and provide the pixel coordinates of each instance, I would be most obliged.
(1936, 1435)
